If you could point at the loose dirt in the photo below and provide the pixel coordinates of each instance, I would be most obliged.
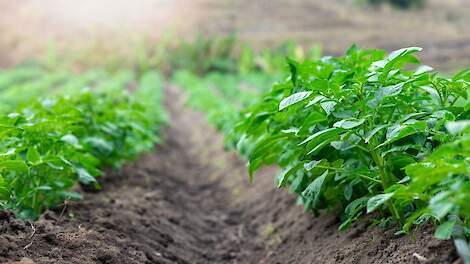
(190, 202)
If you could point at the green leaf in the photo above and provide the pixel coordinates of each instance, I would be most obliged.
(395, 56)
(384, 92)
(3, 189)
(401, 160)
(293, 99)
(44, 188)
(377, 201)
(293, 66)
(348, 191)
(321, 134)
(33, 156)
(315, 100)
(71, 139)
(349, 123)
(353, 210)
(261, 151)
(444, 231)
(352, 50)
(320, 139)
(74, 196)
(463, 249)
(285, 175)
(14, 165)
(423, 69)
(404, 180)
(440, 206)
(373, 132)
(313, 190)
(265, 144)
(103, 146)
(457, 127)
(292, 130)
(346, 143)
(390, 90)
(403, 52)
(8, 153)
(85, 177)
(328, 106)
(398, 132)
(54, 166)
(312, 164)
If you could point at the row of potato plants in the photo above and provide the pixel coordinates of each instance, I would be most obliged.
(49, 145)
(23, 83)
(363, 133)
(367, 132)
(221, 96)
(224, 55)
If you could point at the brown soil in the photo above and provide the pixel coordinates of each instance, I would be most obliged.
(189, 202)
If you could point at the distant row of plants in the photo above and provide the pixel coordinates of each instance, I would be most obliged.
(221, 96)
(200, 55)
(222, 75)
(402, 4)
(204, 55)
(48, 145)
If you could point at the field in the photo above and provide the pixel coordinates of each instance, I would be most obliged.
(234, 132)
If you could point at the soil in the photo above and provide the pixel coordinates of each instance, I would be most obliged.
(190, 202)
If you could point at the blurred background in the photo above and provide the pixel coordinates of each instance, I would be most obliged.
(29, 28)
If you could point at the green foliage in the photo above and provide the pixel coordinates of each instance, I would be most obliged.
(201, 56)
(402, 4)
(222, 96)
(226, 55)
(363, 133)
(18, 75)
(22, 91)
(20, 85)
(50, 144)
(352, 132)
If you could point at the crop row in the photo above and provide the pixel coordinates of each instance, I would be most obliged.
(365, 133)
(221, 96)
(49, 145)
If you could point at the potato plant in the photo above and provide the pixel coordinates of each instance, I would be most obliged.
(50, 144)
(367, 132)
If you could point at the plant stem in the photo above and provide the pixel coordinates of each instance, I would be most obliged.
(384, 178)
(386, 181)
(340, 169)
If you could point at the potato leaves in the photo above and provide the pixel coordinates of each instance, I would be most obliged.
(50, 145)
(366, 132)
(370, 135)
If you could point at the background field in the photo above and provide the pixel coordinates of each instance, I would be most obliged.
(441, 28)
